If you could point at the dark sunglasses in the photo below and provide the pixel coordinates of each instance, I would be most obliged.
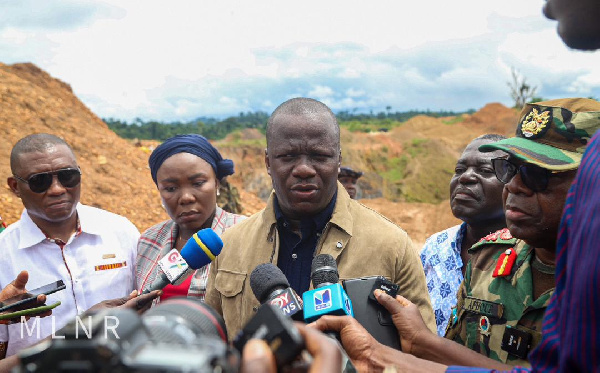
(39, 183)
(534, 177)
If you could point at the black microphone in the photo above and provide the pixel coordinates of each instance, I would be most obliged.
(270, 285)
(329, 297)
(277, 330)
(200, 250)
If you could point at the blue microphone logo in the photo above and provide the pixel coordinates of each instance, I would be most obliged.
(347, 306)
(322, 299)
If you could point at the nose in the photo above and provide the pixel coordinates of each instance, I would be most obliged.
(516, 186)
(304, 169)
(56, 188)
(468, 177)
(187, 196)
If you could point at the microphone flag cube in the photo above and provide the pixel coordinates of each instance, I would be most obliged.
(173, 265)
(327, 300)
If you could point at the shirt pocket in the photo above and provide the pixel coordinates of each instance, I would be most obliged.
(231, 287)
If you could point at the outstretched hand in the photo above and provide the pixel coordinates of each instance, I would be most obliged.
(17, 287)
(360, 346)
(257, 357)
(407, 319)
(326, 356)
(140, 303)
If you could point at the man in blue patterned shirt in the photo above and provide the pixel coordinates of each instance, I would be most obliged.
(476, 199)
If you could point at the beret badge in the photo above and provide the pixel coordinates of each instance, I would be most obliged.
(535, 124)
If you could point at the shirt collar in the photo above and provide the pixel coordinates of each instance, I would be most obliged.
(88, 221)
(317, 221)
(31, 234)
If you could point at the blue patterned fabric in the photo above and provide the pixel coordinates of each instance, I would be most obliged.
(441, 261)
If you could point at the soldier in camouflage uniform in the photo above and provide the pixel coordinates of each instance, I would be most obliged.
(510, 277)
(495, 310)
(509, 282)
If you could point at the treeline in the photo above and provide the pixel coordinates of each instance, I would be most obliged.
(207, 127)
(399, 116)
(214, 129)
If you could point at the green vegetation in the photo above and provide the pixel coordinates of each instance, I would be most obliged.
(396, 168)
(207, 127)
(214, 129)
(456, 119)
(413, 175)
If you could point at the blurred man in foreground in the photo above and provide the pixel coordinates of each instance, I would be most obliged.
(578, 24)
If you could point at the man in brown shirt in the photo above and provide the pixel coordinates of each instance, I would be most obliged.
(309, 214)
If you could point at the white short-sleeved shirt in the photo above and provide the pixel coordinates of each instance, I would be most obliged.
(95, 265)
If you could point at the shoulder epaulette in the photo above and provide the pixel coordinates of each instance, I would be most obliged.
(501, 237)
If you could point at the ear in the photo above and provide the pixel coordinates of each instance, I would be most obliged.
(267, 164)
(340, 161)
(12, 184)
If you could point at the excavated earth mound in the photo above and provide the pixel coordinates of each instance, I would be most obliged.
(116, 176)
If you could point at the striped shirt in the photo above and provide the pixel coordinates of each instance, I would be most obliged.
(571, 332)
(158, 240)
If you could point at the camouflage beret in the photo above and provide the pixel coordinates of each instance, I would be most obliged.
(347, 171)
(552, 134)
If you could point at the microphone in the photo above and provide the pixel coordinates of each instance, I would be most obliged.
(277, 330)
(328, 297)
(200, 250)
(270, 285)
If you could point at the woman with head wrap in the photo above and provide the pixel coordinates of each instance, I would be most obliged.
(186, 170)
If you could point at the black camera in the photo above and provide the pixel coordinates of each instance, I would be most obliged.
(178, 335)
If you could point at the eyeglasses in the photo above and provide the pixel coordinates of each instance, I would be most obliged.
(39, 183)
(534, 177)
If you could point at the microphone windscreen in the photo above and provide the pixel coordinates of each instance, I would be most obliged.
(202, 248)
(266, 278)
(324, 270)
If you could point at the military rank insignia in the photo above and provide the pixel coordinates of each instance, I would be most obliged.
(505, 263)
(502, 234)
(535, 124)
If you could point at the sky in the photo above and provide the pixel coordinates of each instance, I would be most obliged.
(180, 60)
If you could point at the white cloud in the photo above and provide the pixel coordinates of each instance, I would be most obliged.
(180, 60)
(321, 92)
(351, 92)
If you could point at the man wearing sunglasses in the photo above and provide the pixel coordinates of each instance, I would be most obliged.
(508, 286)
(93, 251)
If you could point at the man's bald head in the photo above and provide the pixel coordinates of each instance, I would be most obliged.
(301, 106)
(38, 142)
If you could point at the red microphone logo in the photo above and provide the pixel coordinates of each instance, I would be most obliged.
(174, 257)
(282, 300)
